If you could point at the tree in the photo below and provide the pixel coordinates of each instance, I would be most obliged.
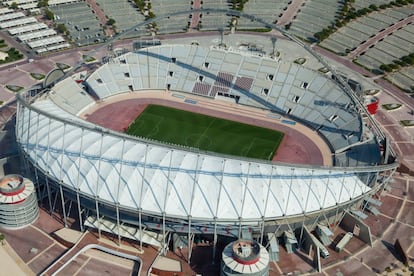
(373, 7)
(111, 22)
(2, 238)
(14, 6)
(42, 3)
(49, 14)
(61, 28)
(385, 67)
(151, 15)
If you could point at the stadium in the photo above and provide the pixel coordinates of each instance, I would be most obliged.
(148, 190)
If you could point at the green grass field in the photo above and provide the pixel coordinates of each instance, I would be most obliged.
(181, 127)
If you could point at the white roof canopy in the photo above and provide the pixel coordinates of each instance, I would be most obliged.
(174, 182)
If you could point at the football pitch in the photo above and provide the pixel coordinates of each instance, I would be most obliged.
(208, 133)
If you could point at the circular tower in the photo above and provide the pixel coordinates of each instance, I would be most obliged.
(245, 257)
(18, 203)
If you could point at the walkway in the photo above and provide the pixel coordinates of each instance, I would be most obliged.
(100, 15)
(195, 15)
(291, 12)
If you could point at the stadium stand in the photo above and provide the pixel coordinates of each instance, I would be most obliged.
(74, 100)
(287, 88)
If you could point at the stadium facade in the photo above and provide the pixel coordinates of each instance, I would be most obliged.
(147, 190)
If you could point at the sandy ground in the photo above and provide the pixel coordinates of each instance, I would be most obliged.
(11, 263)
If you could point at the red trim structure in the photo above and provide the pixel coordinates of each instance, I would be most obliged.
(12, 193)
(246, 252)
(18, 201)
(372, 104)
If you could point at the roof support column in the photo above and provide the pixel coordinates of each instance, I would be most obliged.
(164, 249)
(63, 203)
(117, 193)
(48, 193)
(244, 199)
(19, 120)
(60, 175)
(52, 206)
(214, 240)
(376, 178)
(79, 210)
(37, 186)
(355, 185)
(290, 191)
(386, 179)
(301, 229)
(78, 180)
(306, 206)
(326, 190)
(29, 127)
(342, 188)
(266, 203)
(190, 246)
(140, 227)
(240, 227)
(117, 224)
(141, 196)
(262, 230)
(336, 216)
(97, 216)
(36, 156)
(97, 186)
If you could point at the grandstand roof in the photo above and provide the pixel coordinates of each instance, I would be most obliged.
(161, 180)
